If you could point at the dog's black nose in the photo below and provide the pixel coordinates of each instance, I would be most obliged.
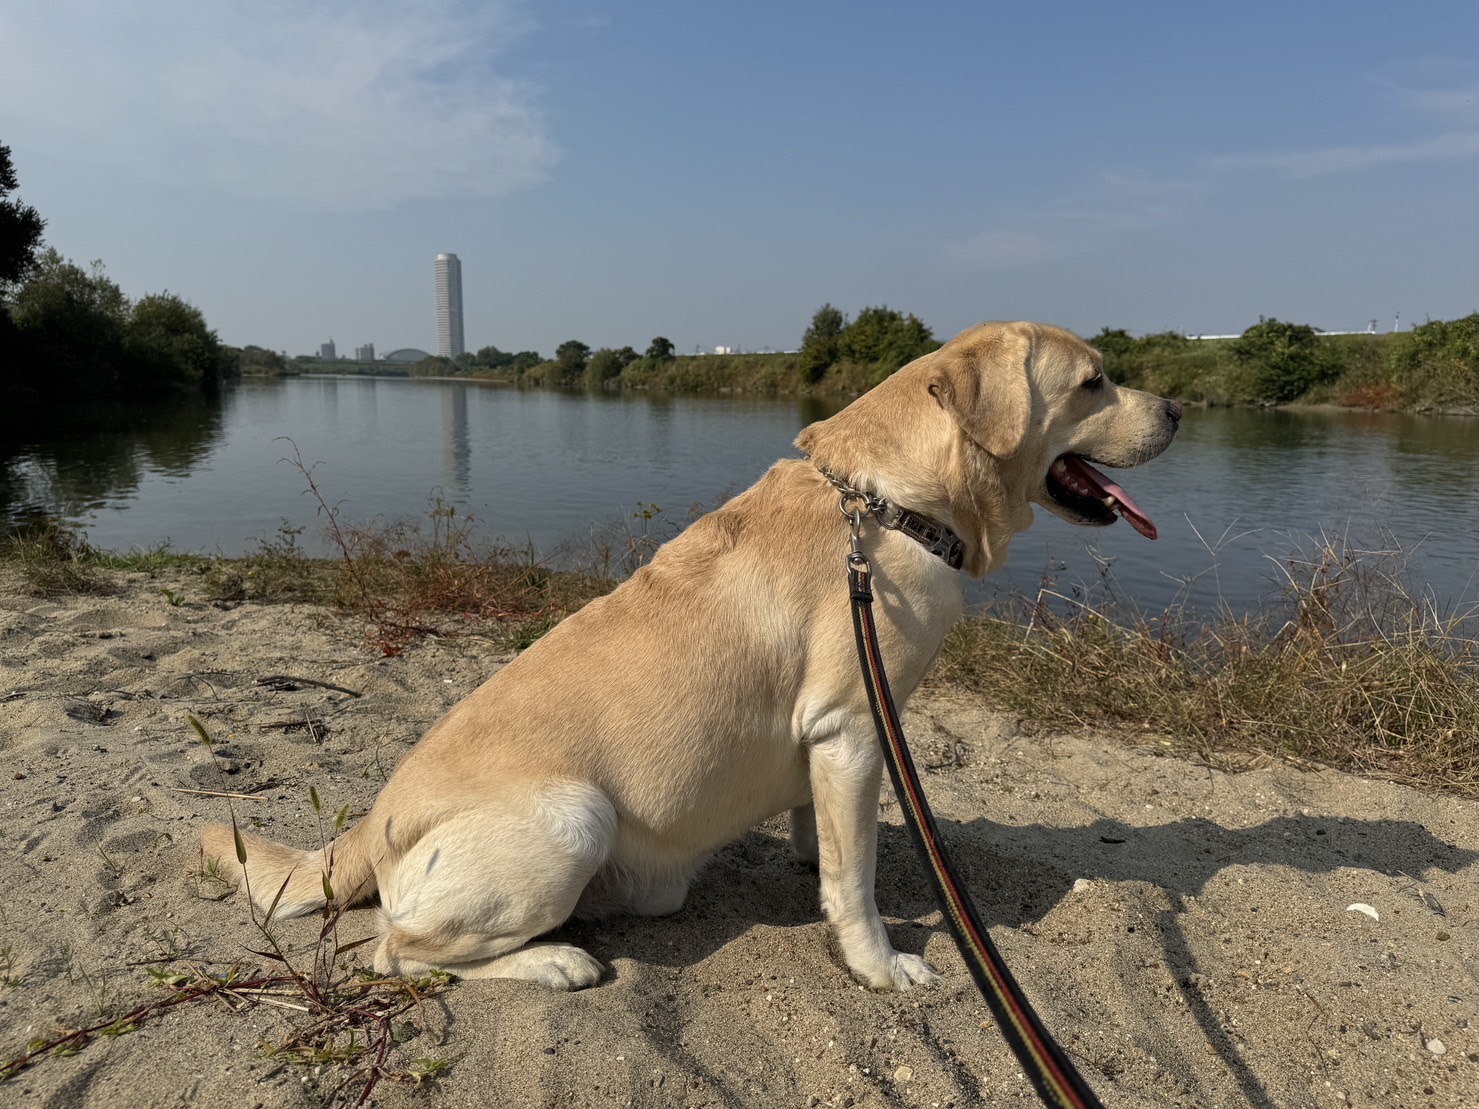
(1173, 410)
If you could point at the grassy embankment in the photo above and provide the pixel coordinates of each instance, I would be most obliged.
(1434, 367)
(1348, 668)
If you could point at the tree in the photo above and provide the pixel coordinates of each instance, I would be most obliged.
(1113, 342)
(260, 360)
(20, 227)
(885, 339)
(660, 350)
(1157, 362)
(1283, 361)
(525, 361)
(170, 344)
(570, 360)
(821, 344)
(72, 323)
(606, 364)
(490, 357)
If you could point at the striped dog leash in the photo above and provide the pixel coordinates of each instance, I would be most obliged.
(1057, 1081)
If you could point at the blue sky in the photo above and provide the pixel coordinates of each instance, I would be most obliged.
(714, 172)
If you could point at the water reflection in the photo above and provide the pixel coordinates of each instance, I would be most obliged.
(1234, 495)
(102, 454)
(457, 445)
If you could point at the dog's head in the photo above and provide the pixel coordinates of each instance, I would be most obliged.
(1003, 416)
(1035, 398)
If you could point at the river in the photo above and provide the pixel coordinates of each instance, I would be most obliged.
(1237, 493)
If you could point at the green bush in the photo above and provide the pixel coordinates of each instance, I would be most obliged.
(1278, 362)
(607, 365)
(869, 348)
(822, 344)
(1166, 362)
(1437, 364)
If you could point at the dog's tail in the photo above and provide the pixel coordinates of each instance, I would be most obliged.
(294, 881)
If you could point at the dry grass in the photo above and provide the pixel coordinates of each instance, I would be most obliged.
(433, 575)
(52, 559)
(1350, 668)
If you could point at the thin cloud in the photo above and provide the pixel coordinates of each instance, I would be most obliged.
(1439, 89)
(336, 106)
(1432, 86)
(1299, 164)
(1123, 204)
(1008, 250)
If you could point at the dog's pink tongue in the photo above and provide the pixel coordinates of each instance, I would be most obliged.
(1107, 490)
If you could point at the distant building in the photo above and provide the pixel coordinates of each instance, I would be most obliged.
(326, 352)
(449, 306)
(407, 354)
(365, 353)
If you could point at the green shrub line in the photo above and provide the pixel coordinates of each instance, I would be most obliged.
(1432, 368)
(1348, 667)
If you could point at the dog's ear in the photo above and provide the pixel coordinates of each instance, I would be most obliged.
(984, 388)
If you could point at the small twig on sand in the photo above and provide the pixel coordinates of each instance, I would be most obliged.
(280, 679)
(219, 793)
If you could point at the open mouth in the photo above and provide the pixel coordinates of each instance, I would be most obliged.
(1083, 490)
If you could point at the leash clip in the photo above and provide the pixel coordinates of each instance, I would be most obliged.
(855, 504)
(857, 561)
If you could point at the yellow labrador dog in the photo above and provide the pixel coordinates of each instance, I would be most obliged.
(720, 684)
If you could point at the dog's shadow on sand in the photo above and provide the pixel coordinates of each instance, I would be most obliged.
(1016, 875)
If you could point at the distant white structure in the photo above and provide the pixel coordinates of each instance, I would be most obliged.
(365, 353)
(326, 351)
(1369, 329)
(723, 350)
(449, 306)
(407, 354)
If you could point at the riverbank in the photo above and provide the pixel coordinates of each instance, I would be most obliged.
(1185, 930)
(1434, 368)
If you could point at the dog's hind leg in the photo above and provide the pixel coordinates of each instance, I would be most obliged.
(804, 834)
(845, 777)
(472, 892)
(639, 881)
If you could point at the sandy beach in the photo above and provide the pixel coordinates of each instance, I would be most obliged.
(1184, 931)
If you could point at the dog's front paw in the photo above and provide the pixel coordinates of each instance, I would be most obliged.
(900, 972)
(911, 970)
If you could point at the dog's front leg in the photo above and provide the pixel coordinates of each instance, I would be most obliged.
(845, 775)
